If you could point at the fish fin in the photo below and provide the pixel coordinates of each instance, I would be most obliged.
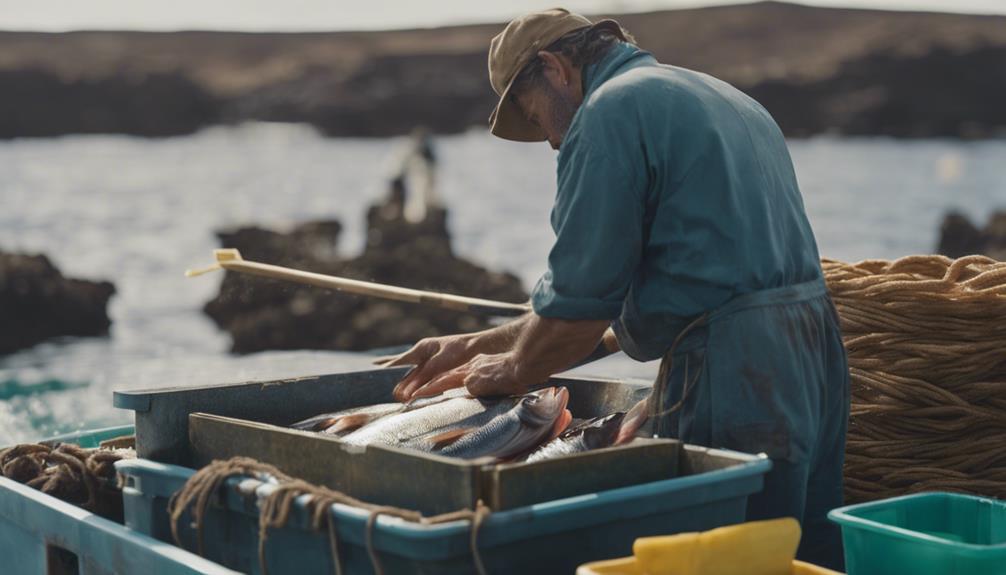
(349, 423)
(314, 424)
(561, 423)
(442, 440)
(632, 421)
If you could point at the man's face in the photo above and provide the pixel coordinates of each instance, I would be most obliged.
(550, 108)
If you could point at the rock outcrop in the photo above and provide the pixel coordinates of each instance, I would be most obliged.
(262, 314)
(37, 303)
(817, 70)
(159, 104)
(959, 237)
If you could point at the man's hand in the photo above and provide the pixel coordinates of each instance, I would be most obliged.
(432, 357)
(483, 375)
(506, 359)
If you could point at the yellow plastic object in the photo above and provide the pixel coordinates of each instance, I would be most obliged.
(669, 554)
(756, 548)
(623, 566)
(629, 566)
(801, 568)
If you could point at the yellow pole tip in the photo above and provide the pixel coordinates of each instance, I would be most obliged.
(200, 271)
(227, 255)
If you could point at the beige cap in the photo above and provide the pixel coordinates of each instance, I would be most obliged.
(512, 49)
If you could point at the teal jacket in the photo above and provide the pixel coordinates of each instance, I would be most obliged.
(677, 200)
(676, 193)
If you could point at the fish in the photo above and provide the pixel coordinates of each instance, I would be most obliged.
(348, 420)
(591, 434)
(536, 418)
(481, 426)
(424, 424)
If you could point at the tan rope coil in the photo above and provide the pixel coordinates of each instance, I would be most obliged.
(65, 471)
(926, 341)
(277, 506)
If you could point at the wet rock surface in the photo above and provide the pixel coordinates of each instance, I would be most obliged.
(263, 314)
(37, 303)
(817, 70)
(960, 237)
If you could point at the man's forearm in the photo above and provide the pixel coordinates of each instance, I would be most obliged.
(501, 338)
(547, 346)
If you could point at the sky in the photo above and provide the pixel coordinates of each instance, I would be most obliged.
(313, 15)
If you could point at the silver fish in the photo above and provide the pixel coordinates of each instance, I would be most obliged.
(536, 418)
(499, 427)
(591, 434)
(348, 420)
(421, 426)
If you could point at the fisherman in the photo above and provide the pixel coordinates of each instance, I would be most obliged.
(680, 233)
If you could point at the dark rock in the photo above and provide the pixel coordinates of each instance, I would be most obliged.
(263, 314)
(959, 237)
(817, 70)
(38, 303)
(159, 104)
(386, 96)
(939, 93)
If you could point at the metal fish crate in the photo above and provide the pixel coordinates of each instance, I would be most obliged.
(193, 426)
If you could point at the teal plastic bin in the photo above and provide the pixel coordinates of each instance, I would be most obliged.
(925, 534)
(552, 537)
(40, 534)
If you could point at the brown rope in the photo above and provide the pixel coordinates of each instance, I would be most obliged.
(925, 340)
(277, 506)
(656, 398)
(65, 471)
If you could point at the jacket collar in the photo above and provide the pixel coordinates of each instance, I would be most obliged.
(597, 73)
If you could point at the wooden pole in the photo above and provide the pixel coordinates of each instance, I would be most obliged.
(230, 259)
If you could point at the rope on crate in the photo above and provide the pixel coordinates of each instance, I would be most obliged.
(277, 506)
(65, 471)
(925, 341)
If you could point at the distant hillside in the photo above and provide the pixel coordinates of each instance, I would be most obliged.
(816, 69)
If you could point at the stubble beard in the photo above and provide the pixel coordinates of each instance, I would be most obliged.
(561, 111)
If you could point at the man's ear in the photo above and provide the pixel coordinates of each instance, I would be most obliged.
(556, 71)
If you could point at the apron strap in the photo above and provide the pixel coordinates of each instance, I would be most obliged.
(774, 296)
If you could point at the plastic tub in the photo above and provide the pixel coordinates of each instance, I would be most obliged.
(552, 537)
(925, 534)
(41, 534)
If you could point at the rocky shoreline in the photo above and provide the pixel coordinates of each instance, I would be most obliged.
(959, 237)
(37, 303)
(817, 70)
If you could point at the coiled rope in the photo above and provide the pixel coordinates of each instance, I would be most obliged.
(926, 341)
(277, 506)
(65, 471)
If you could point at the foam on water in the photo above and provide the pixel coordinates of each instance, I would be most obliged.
(139, 212)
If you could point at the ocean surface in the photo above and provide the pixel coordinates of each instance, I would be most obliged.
(139, 212)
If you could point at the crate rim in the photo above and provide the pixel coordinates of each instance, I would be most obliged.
(844, 516)
(353, 518)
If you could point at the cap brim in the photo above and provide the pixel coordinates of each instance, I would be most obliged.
(509, 123)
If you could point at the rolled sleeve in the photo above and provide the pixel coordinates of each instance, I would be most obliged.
(598, 222)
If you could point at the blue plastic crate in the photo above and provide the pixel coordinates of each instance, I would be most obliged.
(925, 534)
(552, 537)
(41, 534)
